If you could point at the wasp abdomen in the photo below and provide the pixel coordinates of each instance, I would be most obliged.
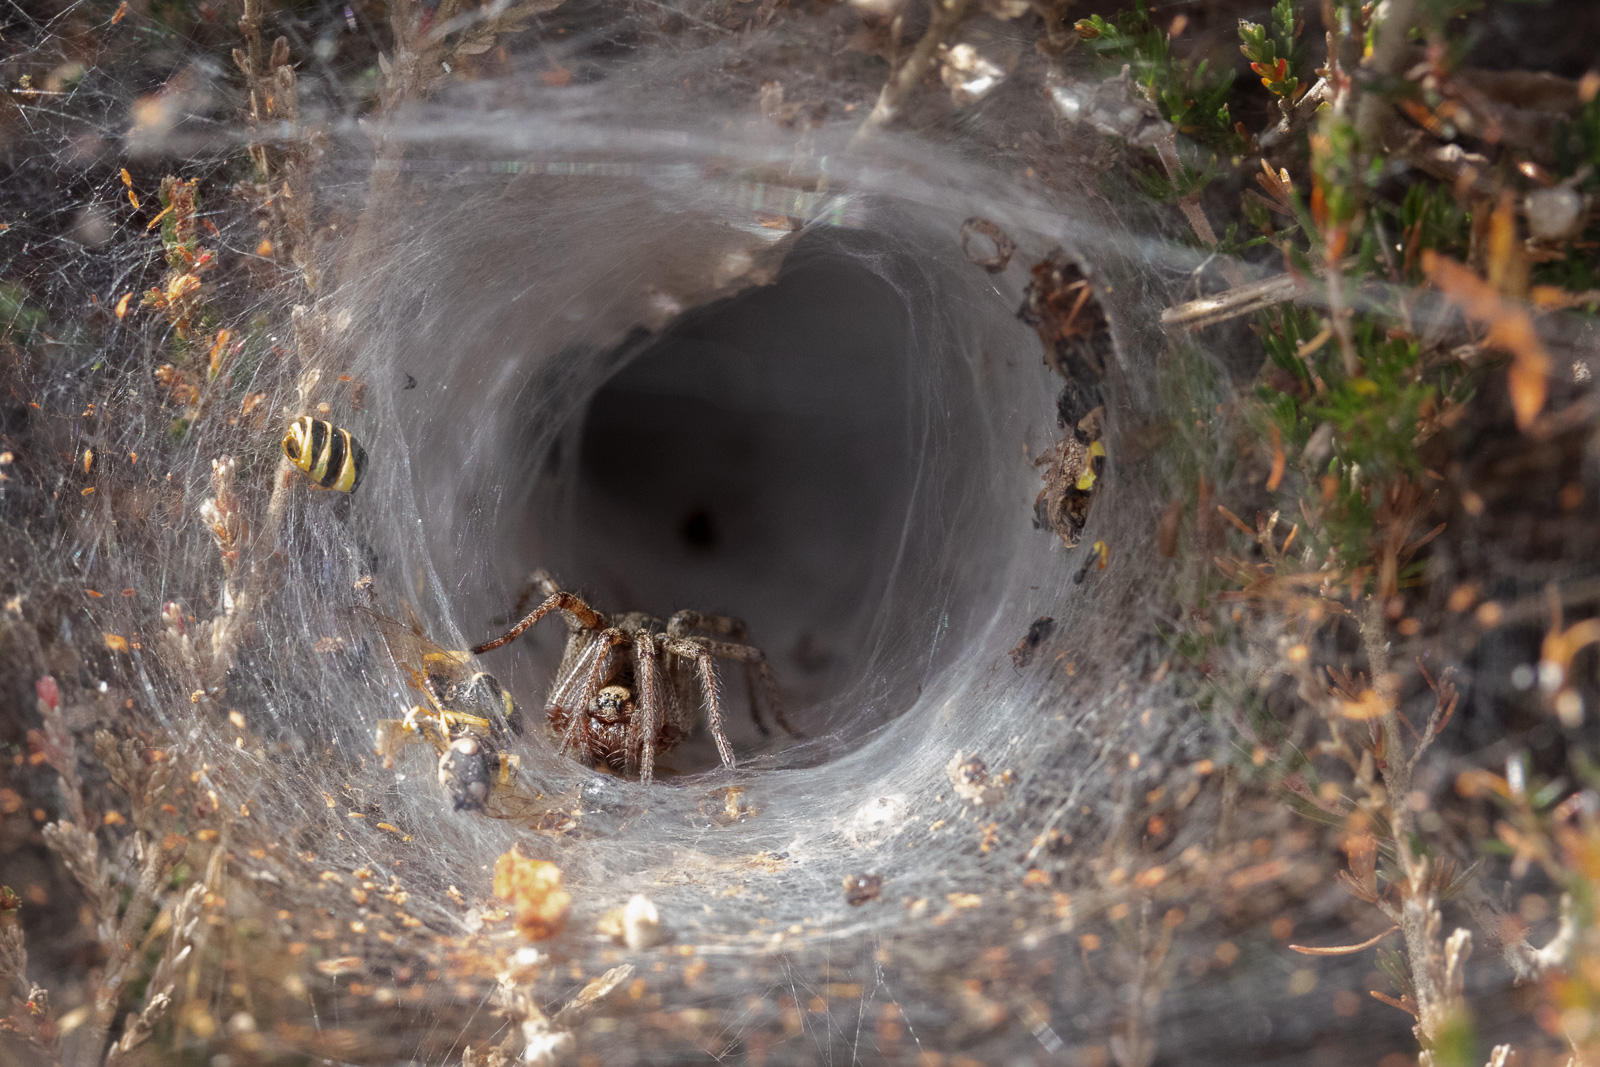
(332, 458)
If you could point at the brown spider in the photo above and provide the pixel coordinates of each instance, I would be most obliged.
(625, 710)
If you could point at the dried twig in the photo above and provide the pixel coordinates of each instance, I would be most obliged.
(944, 16)
(287, 192)
(1445, 698)
(1151, 971)
(1341, 950)
(185, 921)
(1240, 300)
(39, 1026)
(546, 1040)
(243, 595)
(1167, 149)
(117, 924)
(1437, 969)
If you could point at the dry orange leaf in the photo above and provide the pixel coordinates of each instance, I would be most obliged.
(121, 13)
(116, 642)
(1370, 705)
(533, 887)
(1510, 330)
(1279, 460)
(1340, 950)
(181, 286)
(122, 305)
(1506, 260)
(1236, 520)
(1476, 782)
(217, 349)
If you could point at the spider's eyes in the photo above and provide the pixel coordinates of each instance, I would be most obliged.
(612, 698)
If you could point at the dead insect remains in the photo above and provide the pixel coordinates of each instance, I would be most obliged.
(860, 888)
(466, 719)
(332, 458)
(1072, 469)
(1038, 632)
(1060, 305)
(626, 709)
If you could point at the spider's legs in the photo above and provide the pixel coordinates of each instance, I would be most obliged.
(755, 661)
(685, 622)
(567, 603)
(647, 722)
(608, 639)
(577, 733)
(539, 584)
(707, 670)
(750, 687)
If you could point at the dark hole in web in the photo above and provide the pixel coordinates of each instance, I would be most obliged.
(754, 459)
(699, 530)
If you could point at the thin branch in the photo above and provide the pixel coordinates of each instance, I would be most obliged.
(1444, 706)
(242, 599)
(1231, 303)
(1167, 149)
(944, 15)
(1243, 299)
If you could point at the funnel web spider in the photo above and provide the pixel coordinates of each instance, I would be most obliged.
(625, 709)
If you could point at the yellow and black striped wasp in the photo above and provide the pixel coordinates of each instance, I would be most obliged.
(466, 716)
(332, 458)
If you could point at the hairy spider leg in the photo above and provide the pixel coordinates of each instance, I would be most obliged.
(755, 661)
(568, 604)
(755, 666)
(608, 640)
(685, 622)
(578, 724)
(577, 731)
(648, 723)
(695, 649)
(539, 584)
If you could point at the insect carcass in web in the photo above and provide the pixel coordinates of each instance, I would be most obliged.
(466, 716)
(333, 458)
(1039, 631)
(1072, 469)
(1060, 305)
(630, 688)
